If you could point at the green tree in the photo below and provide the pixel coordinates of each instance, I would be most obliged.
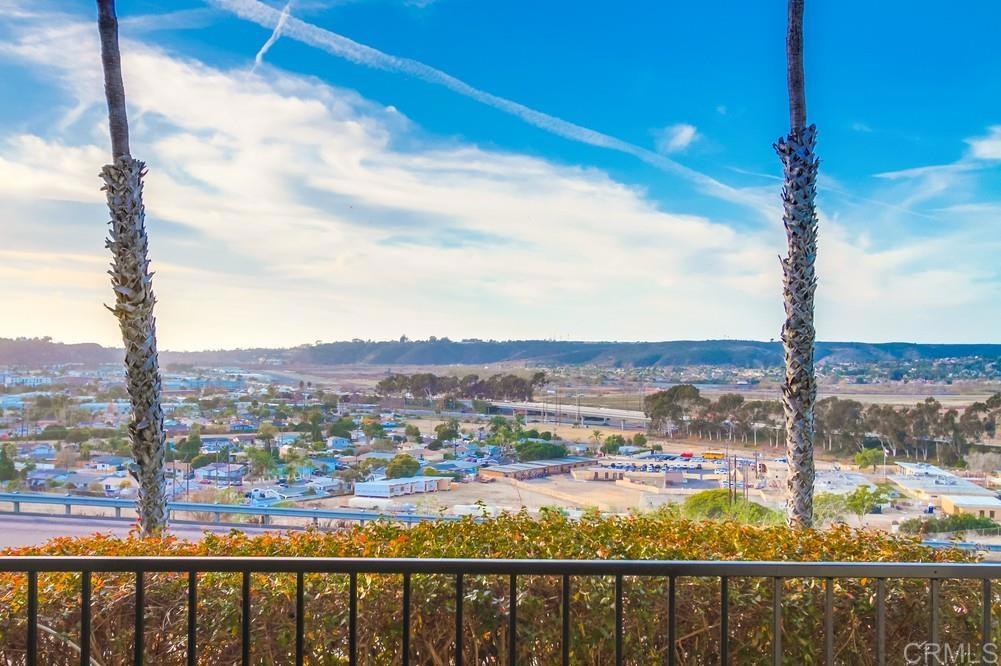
(296, 462)
(132, 285)
(190, 446)
(675, 405)
(447, 431)
(342, 427)
(639, 439)
(412, 432)
(799, 388)
(202, 459)
(402, 466)
(612, 444)
(719, 505)
(7, 470)
(262, 462)
(863, 499)
(267, 433)
(539, 451)
(373, 430)
(869, 458)
(829, 508)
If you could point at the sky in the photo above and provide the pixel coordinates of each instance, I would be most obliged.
(338, 169)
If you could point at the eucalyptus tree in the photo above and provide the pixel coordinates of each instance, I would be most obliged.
(131, 280)
(799, 389)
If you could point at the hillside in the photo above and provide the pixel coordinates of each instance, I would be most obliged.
(738, 353)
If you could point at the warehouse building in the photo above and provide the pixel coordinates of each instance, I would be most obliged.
(984, 507)
(930, 483)
(404, 486)
(536, 469)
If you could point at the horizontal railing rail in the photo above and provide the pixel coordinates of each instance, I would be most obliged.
(521, 567)
(725, 571)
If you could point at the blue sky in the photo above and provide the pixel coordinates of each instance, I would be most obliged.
(318, 196)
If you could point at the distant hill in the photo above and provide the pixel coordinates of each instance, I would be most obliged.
(36, 352)
(738, 353)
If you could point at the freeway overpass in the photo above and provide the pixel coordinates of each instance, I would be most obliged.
(569, 412)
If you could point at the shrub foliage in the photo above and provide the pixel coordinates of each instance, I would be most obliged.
(486, 602)
(957, 523)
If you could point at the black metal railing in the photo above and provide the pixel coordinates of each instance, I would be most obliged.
(565, 570)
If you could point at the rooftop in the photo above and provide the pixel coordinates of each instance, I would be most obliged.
(939, 485)
(972, 500)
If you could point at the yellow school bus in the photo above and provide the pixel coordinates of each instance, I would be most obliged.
(713, 455)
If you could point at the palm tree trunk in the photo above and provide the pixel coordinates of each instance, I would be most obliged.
(799, 390)
(133, 287)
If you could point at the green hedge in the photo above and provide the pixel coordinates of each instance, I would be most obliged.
(649, 536)
(958, 523)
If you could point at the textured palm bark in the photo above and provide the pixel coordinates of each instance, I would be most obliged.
(799, 391)
(134, 300)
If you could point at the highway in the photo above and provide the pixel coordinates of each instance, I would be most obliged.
(569, 412)
(27, 529)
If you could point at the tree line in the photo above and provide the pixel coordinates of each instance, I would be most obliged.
(922, 431)
(505, 386)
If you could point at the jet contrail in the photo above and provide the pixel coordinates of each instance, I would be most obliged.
(343, 47)
(275, 34)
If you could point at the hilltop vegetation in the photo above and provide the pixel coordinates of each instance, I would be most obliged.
(442, 351)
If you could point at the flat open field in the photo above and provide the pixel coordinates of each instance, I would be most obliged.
(956, 395)
(532, 495)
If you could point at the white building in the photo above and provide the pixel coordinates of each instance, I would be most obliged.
(984, 507)
(404, 486)
(26, 380)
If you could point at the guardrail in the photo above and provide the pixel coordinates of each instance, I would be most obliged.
(512, 569)
(218, 510)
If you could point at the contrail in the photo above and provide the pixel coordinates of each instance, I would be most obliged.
(276, 33)
(343, 47)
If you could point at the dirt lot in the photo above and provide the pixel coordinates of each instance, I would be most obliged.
(508, 497)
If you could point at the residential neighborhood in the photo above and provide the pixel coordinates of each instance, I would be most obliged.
(394, 444)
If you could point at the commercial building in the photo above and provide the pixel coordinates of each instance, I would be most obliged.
(404, 486)
(536, 468)
(985, 507)
(930, 483)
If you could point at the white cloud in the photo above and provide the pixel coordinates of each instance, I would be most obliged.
(275, 34)
(861, 127)
(307, 220)
(676, 138)
(362, 54)
(987, 147)
(283, 209)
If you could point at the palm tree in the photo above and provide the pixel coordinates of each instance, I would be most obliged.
(799, 390)
(133, 287)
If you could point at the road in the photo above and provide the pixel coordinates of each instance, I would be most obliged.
(569, 411)
(28, 529)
